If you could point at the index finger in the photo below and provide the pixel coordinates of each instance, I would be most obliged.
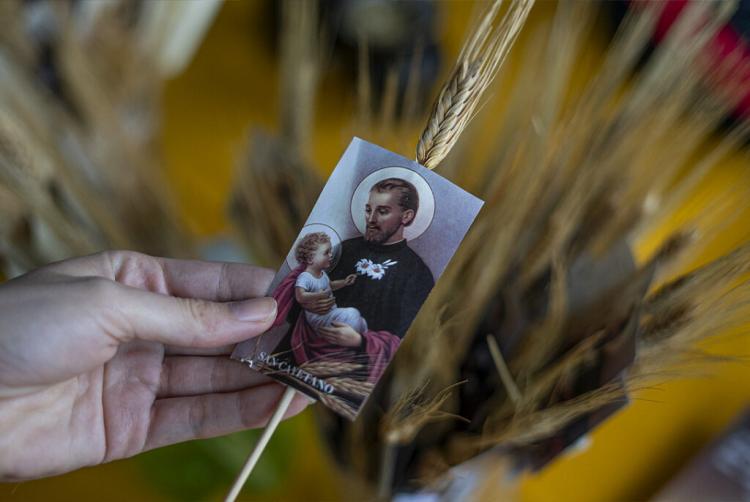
(216, 281)
(213, 281)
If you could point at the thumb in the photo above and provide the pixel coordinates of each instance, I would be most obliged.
(189, 322)
(53, 331)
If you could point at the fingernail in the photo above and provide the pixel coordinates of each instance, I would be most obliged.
(258, 309)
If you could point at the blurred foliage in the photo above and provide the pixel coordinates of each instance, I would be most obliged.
(198, 470)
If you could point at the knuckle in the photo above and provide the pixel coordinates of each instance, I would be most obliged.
(116, 258)
(165, 377)
(224, 290)
(201, 315)
(99, 288)
(108, 256)
(125, 254)
(219, 376)
(198, 416)
(246, 412)
(102, 301)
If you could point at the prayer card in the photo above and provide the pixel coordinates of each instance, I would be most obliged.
(378, 238)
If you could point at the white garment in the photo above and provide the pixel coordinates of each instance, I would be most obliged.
(349, 315)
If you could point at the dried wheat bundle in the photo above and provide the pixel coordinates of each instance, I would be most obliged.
(575, 174)
(554, 311)
(80, 143)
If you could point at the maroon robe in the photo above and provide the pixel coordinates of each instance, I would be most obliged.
(378, 346)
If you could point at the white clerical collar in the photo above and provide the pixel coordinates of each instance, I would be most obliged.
(394, 243)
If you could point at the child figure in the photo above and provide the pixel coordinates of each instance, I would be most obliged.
(315, 251)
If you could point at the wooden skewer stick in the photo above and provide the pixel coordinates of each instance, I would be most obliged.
(278, 414)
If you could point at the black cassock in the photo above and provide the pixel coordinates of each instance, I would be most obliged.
(391, 302)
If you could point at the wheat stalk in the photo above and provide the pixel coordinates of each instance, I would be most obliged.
(413, 411)
(351, 386)
(480, 58)
(404, 420)
(338, 405)
(530, 427)
(300, 69)
(575, 171)
(331, 367)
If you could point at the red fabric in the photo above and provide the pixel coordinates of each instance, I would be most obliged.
(307, 345)
(726, 43)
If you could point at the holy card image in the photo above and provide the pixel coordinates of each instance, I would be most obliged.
(380, 235)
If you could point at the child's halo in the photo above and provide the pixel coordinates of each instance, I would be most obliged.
(291, 260)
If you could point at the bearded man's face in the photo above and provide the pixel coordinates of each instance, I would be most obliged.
(383, 216)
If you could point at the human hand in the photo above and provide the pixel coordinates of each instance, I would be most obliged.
(341, 334)
(109, 355)
(350, 279)
(319, 303)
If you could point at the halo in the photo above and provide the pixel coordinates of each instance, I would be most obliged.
(309, 229)
(426, 210)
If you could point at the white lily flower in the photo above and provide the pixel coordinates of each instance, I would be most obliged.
(376, 271)
(363, 266)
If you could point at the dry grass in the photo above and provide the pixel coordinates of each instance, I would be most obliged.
(413, 411)
(82, 156)
(572, 174)
(477, 65)
(574, 171)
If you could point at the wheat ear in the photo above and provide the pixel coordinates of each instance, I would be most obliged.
(481, 57)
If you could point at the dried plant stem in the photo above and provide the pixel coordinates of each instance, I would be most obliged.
(480, 58)
(563, 368)
(389, 100)
(351, 386)
(575, 170)
(543, 340)
(300, 68)
(387, 467)
(364, 92)
(338, 405)
(502, 368)
(412, 411)
(537, 425)
(404, 421)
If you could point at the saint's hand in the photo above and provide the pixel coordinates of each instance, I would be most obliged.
(106, 356)
(341, 334)
(350, 279)
(318, 303)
